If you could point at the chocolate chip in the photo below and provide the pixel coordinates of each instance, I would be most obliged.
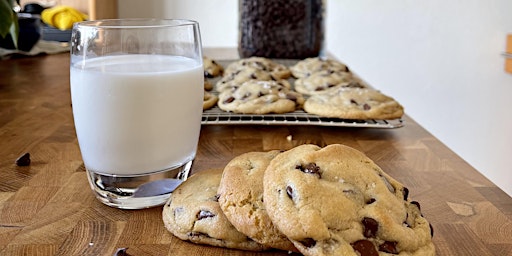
(311, 168)
(431, 230)
(353, 101)
(203, 214)
(253, 76)
(121, 252)
(208, 75)
(215, 198)
(371, 201)
(308, 242)
(260, 94)
(406, 193)
(229, 100)
(247, 95)
(23, 160)
(291, 97)
(197, 234)
(330, 85)
(366, 107)
(365, 248)
(371, 226)
(289, 192)
(388, 247)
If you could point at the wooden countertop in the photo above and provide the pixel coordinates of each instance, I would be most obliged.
(47, 208)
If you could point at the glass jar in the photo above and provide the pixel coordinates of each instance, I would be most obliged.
(286, 29)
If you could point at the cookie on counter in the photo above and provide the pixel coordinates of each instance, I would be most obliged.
(354, 103)
(308, 66)
(241, 199)
(336, 201)
(209, 100)
(278, 71)
(260, 97)
(211, 68)
(232, 80)
(193, 213)
(325, 81)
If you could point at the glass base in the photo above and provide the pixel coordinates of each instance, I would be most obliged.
(137, 191)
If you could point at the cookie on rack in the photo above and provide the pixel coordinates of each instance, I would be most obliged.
(278, 71)
(209, 100)
(208, 86)
(241, 199)
(325, 81)
(336, 201)
(193, 213)
(260, 97)
(211, 68)
(232, 80)
(308, 66)
(354, 103)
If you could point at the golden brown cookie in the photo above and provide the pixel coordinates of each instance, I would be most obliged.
(260, 97)
(336, 201)
(211, 68)
(308, 66)
(354, 103)
(325, 81)
(209, 100)
(278, 71)
(241, 199)
(193, 213)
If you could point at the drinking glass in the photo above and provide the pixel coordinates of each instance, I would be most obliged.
(137, 92)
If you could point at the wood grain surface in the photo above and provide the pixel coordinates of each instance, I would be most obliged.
(47, 208)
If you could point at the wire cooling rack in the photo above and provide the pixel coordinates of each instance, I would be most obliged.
(216, 116)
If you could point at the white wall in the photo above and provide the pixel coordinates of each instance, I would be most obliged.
(440, 59)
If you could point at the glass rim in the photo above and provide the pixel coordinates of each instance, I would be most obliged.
(135, 23)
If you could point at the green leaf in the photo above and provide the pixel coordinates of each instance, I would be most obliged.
(8, 21)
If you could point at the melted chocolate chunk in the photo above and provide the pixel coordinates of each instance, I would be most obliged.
(253, 76)
(389, 247)
(365, 248)
(371, 226)
(366, 107)
(289, 192)
(229, 100)
(353, 101)
(308, 242)
(406, 193)
(23, 160)
(208, 75)
(311, 168)
(371, 201)
(203, 214)
(291, 97)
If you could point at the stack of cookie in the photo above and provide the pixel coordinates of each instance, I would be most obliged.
(317, 201)
(335, 92)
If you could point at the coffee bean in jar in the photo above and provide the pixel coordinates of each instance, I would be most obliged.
(287, 29)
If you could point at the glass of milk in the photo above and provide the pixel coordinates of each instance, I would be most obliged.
(137, 93)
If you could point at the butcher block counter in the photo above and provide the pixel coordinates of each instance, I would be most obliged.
(48, 208)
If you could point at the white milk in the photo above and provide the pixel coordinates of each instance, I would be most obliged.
(137, 114)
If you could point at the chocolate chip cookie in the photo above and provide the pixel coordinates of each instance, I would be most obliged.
(234, 80)
(325, 81)
(209, 100)
(211, 68)
(354, 103)
(278, 71)
(336, 201)
(241, 199)
(260, 97)
(308, 66)
(193, 213)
